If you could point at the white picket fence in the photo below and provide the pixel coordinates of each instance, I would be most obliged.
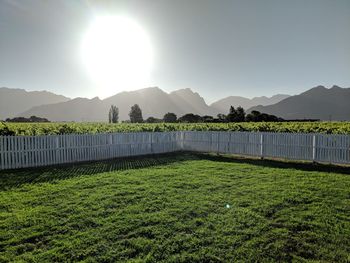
(32, 151)
(326, 148)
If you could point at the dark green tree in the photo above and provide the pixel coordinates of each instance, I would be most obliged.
(240, 114)
(135, 114)
(257, 116)
(190, 118)
(153, 120)
(254, 116)
(113, 114)
(207, 118)
(221, 117)
(232, 115)
(170, 117)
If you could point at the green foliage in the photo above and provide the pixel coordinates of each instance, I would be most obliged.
(153, 120)
(135, 114)
(170, 117)
(113, 114)
(190, 118)
(257, 116)
(222, 118)
(30, 119)
(236, 115)
(5, 131)
(175, 208)
(83, 128)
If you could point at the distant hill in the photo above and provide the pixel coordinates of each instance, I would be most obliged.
(191, 102)
(153, 102)
(316, 103)
(78, 109)
(223, 105)
(16, 101)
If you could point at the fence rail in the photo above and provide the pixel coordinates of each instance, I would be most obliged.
(32, 151)
(329, 148)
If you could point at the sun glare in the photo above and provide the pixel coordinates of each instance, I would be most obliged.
(117, 54)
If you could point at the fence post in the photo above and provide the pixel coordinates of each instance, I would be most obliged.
(218, 143)
(182, 140)
(229, 143)
(313, 148)
(261, 146)
(2, 165)
(152, 142)
(57, 146)
(210, 142)
(110, 146)
(110, 139)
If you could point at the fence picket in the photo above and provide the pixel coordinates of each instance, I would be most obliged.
(31, 151)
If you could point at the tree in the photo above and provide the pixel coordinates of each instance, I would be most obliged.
(236, 115)
(207, 118)
(232, 115)
(31, 119)
(170, 117)
(190, 118)
(240, 114)
(254, 116)
(153, 120)
(257, 116)
(113, 114)
(135, 114)
(221, 117)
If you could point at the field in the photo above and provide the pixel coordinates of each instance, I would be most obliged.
(79, 128)
(176, 208)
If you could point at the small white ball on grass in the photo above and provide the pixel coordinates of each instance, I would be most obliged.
(227, 206)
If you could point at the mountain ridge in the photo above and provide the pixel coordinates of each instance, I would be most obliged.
(153, 102)
(246, 103)
(15, 101)
(315, 103)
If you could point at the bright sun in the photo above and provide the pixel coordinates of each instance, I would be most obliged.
(118, 54)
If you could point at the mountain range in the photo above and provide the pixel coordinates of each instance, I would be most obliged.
(319, 103)
(15, 101)
(316, 103)
(153, 102)
(225, 103)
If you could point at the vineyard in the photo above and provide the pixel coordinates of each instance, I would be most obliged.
(91, 128)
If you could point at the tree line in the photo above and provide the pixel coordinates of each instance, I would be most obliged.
(30, 119)
(234, 115)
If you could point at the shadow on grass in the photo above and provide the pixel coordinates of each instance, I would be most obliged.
(18, 177)
(299, 165)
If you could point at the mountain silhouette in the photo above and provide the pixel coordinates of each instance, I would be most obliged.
(316, 103)
(15, 101)
(222, 105)
(191, 102)
(78, 109)
(153, 102)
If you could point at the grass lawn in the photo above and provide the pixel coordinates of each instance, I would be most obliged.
(176, 208)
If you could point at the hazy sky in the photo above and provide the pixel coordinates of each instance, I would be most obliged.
(217, 48)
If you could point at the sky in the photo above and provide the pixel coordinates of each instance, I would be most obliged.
(217, 48)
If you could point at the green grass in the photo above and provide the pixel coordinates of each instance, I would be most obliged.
(173, 208)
